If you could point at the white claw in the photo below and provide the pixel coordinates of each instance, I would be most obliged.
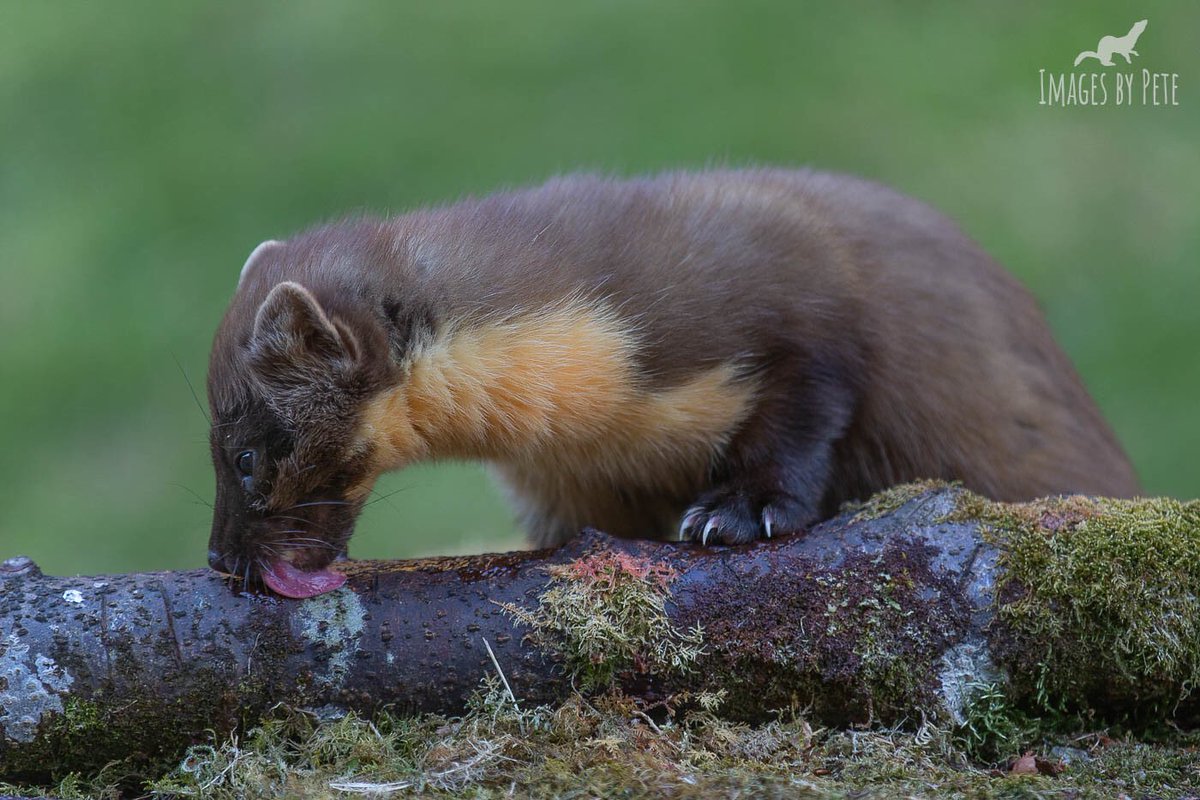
(689, 519)
(767, 522)
(709, 528)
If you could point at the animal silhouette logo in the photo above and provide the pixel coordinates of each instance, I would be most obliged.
(1115, 45)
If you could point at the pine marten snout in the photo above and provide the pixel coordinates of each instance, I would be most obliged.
(721, 356)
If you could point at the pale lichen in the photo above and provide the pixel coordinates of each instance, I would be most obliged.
(334, 622)
(31, 689)
(965, 668)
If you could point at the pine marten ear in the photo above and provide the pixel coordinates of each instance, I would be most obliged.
(254, 256)
(294, 338)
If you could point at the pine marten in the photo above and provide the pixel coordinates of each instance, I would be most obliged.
(719, 356)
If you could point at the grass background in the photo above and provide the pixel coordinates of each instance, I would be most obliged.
(145, 148)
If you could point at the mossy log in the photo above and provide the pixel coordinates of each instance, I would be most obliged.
(926, 602)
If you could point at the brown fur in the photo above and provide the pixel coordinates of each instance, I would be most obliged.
(759, 345)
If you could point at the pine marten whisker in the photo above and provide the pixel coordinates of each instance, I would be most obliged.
(192, 390)
(319, 503)
(385, 497)
(199, 499)
(305, 542)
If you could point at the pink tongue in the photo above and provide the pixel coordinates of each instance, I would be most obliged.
(288, 581)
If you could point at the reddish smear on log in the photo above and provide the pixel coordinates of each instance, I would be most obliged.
(607, 566)
(1067, 520)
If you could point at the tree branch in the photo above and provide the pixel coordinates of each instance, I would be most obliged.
(918, 604)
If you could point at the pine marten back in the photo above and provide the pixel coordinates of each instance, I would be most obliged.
(720, 356)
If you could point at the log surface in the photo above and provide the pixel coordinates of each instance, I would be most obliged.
(860, 619)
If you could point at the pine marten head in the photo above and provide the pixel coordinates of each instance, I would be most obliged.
(287, 378)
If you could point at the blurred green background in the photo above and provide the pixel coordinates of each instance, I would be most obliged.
(145, 148)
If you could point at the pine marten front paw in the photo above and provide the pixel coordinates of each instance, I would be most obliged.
(731, 515)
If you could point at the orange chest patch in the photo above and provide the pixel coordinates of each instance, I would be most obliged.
(560, 384)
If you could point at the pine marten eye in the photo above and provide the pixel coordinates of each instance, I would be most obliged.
(245, 465)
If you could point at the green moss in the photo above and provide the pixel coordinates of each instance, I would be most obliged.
(80, 725)
(883, 503)
(605, 615)
(1142, 770)
(871, 611)
(609, 746)
(1097, 597)
(83, 727)
(80, 718)
(121, 745)
(992, 728)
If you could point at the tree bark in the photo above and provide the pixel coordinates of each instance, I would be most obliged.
(894, 612)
